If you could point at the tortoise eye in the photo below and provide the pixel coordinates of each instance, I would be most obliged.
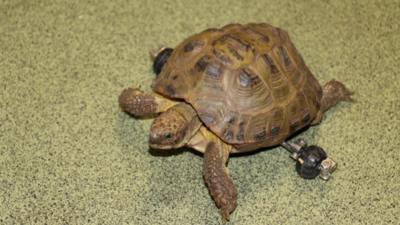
(168, 135)
(161, 59)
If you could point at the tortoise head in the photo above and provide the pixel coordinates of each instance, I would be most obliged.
(174, 127)
(168, 131)
(160, 57)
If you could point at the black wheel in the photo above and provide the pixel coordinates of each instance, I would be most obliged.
(311, 158)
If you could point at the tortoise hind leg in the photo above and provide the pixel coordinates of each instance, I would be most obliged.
(137, 103)
(217, 177)
(333, 92)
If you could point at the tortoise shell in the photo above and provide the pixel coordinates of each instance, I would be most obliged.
(248, 84)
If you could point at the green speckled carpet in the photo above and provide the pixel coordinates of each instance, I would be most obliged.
(68, 155)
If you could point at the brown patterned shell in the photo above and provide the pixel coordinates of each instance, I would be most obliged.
(248, 84)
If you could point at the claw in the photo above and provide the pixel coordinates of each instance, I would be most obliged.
(347, 95)
(225, 216)
(334, 92)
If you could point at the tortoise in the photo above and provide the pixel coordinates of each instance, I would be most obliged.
(232, 90)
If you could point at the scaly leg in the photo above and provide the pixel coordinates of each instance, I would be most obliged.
(216, 176)
(138, 103)
(333, 92)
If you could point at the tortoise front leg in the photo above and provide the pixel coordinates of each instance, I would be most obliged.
(217, 177)
(137, 103)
